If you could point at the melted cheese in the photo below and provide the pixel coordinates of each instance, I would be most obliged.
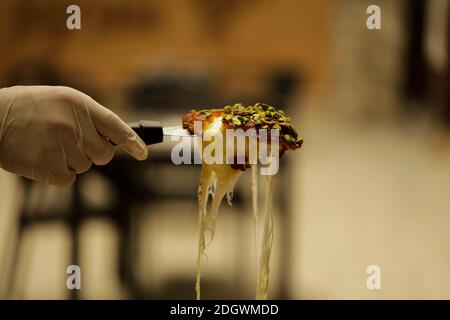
(218, 180)
(262, 284)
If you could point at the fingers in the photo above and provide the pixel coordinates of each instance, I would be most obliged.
(72, 153)
(61, 178)
(77, 161)
(111, 126)
(98, 150)
(57, 174)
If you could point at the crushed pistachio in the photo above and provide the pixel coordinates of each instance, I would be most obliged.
(206, 113)
(236, 121)
(259, 116)
(276, 126)
(262, 116)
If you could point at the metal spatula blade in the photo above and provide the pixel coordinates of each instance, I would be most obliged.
(176, 131)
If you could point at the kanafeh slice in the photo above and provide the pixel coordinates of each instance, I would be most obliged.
(218, 180)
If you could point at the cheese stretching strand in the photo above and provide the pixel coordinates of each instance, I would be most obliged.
(218, 181)
(255, 212)
(262, 285)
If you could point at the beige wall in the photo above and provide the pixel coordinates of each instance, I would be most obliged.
(240, 42)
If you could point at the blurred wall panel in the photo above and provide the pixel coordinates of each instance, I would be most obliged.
(119, 38)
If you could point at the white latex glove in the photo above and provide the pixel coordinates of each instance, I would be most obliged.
(50, 134)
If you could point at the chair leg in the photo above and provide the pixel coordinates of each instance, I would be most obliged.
(76, 211)
(13, 264)
(16, 248)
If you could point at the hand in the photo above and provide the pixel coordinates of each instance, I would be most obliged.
(50, 134)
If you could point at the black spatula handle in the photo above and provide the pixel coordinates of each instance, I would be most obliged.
(151, 132)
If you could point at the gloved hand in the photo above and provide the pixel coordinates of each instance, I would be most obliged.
(50, 134)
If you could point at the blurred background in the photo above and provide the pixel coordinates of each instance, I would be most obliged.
(369, 187)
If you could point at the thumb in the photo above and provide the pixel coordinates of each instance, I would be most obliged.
(116, 130)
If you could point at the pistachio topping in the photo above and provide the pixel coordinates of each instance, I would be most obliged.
(206, 113)
(261, 116)
(258, 116)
